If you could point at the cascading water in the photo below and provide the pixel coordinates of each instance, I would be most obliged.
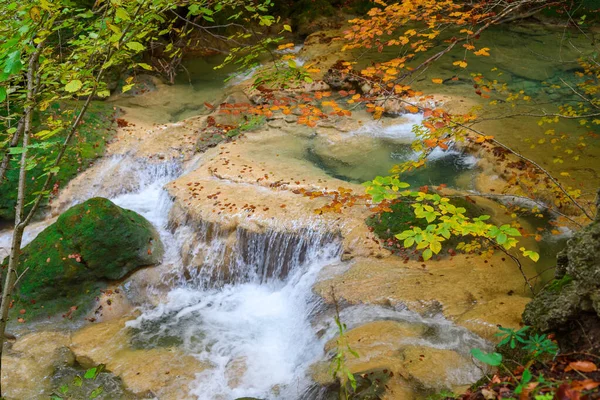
(241, 302)
(251, 325)
(255, 336)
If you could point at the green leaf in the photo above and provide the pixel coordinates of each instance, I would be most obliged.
(13, 64)
(135, 46)
(92, 373)
(145, 66)
(127, 88)
(493, 359)
(512, 232)
(427, 254)
(352, 379)
(501, 238)
(96, 392)
(2, 93)
(73, 86)
(77, 381)
(16, 150)
(123, 14)
(287, 28)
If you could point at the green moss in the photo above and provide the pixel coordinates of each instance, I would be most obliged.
(87, 145)
(89, 244)
(387, 224)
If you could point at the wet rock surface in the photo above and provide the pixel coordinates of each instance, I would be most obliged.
(462, 288)
(164, 372)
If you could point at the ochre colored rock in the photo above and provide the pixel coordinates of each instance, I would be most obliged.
(459, 287)
(28, 366)
(164, 372)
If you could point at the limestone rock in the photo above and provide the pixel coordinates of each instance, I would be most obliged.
(28, 366)
(240, 192)
(164, 372)
(429, 368)
(466, 289)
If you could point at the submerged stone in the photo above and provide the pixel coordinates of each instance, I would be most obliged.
(90, 244)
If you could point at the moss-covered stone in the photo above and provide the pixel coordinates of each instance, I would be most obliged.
(90, 244)
(576, 289)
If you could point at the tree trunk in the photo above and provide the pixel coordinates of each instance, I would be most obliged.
(15, 251)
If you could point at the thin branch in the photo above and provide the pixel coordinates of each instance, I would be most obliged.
(539, 203)
(516, 260)
(535, 164)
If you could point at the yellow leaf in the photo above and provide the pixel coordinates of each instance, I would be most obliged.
(564, 174)
(437, 80)
(482, 52)
(462, 64)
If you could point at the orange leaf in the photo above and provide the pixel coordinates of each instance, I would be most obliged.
(412, 109)
(582, 366)
(431, 143)
(587, 384)
(437, 80)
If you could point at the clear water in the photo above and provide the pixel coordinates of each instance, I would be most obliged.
(260, 329)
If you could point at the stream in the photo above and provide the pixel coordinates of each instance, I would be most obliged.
(261, 329)
(250, 315)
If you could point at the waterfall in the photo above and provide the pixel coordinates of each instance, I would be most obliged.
(252, 323)
(240, 301)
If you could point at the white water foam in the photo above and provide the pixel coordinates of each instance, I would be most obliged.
(255, 333)
(236, 78)
(401, 132)
(256, 337)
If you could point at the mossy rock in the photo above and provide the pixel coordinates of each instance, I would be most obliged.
(576, 290)
(389, 223)
(89, 245)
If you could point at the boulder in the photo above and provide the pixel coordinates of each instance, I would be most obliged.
(90, 244)
(163, 372)
(573, 298)
(30, 364)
